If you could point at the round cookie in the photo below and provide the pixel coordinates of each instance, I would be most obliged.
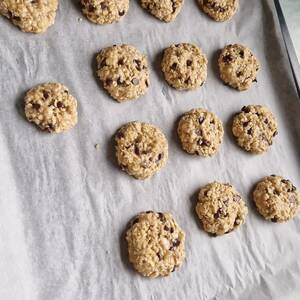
(155, 244)
(104, 11)
(220, 10)
(141, 149)
(254, 128)
(200, 132)
(30, 16)
(123, 71)
(220, 208)
(51, 107)
(276, 199)
(238, 66)
(164, 10)
(184, 66)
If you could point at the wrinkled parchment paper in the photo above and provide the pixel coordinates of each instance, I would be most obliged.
(64, 205)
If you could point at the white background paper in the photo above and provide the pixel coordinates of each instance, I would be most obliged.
(64, 205)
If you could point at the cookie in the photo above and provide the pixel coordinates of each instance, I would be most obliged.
(276, 199)
(141, 149)
(184, 66)
(164, 10)
(220, 208)
(220, 10)
(30, 16)
(254, 128)
(155, 244)
(123, 71)
(104, 11)
(51, 107)
(200, 132)
(238, 66)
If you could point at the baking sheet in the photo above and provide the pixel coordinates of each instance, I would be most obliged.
(64, 205)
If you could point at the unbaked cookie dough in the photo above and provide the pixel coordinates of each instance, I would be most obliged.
(30, 15)
(254, 128)
(164, 10)
(141, 149)
(220, 208)
(51, 107)
(238, 66)
(105, 11)
(220, 10)
(155, 244)
(184, 66)
(276, 199)
(123, 71)
(200, 132)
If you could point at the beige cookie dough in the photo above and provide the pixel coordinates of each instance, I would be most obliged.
(164, 10)
(254, 128)
(200, 132)
(51, 107)
(123, 71)
(220, 208)
(155, 244)
(220, 10)
(184, 66)
(141, 149)
(238, 66)
(276, 199)
(104, 11)
(30, 15)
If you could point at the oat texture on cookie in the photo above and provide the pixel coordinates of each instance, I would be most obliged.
(184, 66)
(219, 10)
(104, 11)
(254, 128)
(123, 71)
(30, 16)
(51, 107)
(276, 199)
(200, 132)
(155, 244)
(141, 149)
(220, 208)
(238, 66)
(164, 10)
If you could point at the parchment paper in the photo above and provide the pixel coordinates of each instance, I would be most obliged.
(64, 205)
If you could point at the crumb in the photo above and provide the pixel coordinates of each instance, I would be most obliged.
(97, 146)
(79, 19)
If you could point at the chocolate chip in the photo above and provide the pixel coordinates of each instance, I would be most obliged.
(219, 213)
(161, 217)
(135, 81)
(159, 255)
(171, 230)
(103, 5)
(188, 80)
(174, 66)
(285, 181)
(175, 244)
(276, 192)
(189, 63)
(206, 143)
(293, 188)
(254, 80)
(174, 269)
(237, 221)
(239, 74)
(45, 94)
(59, 104)
(273, 175)
(109, 81)
(149, 212)
(166, 228)
(246, 109)
(250, 131)
(227, 58)
(136, 150)
(275, 133)
(266, 121)
(16, 18)
(146, 83)
(201, 120)
(242, 54)
(160, 156)
(274, 220)
(245, 124)
(36, 106)
(121, 61)
(121, 13)
(91, 8)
